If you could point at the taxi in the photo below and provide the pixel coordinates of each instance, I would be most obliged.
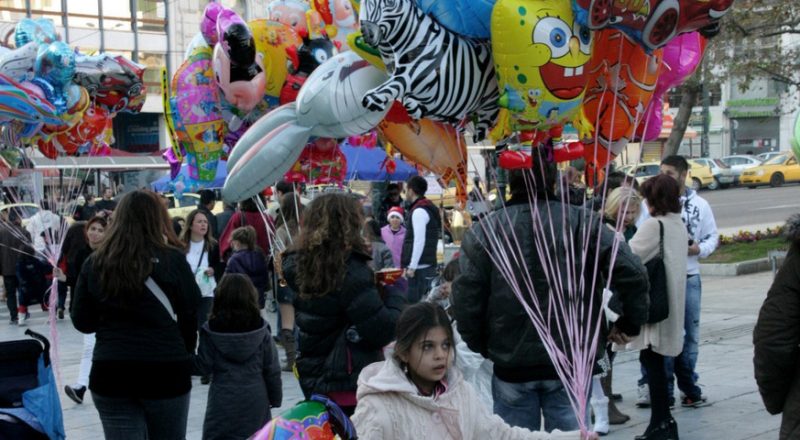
(774, 172)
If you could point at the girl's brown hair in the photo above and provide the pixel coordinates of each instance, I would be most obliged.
(246, 235)
(331, 232)
(186, 233)
(124, 259)
(236, 303)
(415, 322)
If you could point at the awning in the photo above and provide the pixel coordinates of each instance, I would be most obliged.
(102, 163)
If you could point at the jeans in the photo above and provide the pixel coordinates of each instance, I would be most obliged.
(126, 418)
(683, 366)
(524, 404)
(420, 284)
(11, 284)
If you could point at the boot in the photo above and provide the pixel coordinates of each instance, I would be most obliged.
(600, 409)
(288, 342)
(615, 416)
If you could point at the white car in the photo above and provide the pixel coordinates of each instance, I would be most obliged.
(763, 157)
(723, 174)
(739, 163)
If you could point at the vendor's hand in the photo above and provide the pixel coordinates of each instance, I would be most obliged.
(694, 249)
(59, 275)
(209, 272)
(617, 337)
(409, 273)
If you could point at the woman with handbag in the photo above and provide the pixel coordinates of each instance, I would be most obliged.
(138, 294)
(202, 254)
(344, 322)
(662, 244)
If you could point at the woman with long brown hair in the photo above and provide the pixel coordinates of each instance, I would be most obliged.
(344, 322)
(202, 254)
(129, 292)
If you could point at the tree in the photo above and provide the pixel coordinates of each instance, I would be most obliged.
(757, 39)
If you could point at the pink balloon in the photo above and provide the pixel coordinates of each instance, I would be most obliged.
(681, 57)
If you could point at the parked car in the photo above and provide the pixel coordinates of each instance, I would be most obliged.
(739, 163)
(774, 172)
(186, 203)
(646, 170)
(26, 210)
(763, 157)
(723, 175)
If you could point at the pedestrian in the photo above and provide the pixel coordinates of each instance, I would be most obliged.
(392, 200)
(394, 234)
(665, 338)
(228, 209)
(137, 292)
(423, 227)
(776, 339)
(87, 210)
(290, 216)
(702, 228)
(420, 393)
(381, 255)
(525, 385)
(249, 214)
(94, 232)
(107, 203)
(207, 202)
(236, 347)
(14, 243)
(344, 322)
(247, 259)
(202, 254)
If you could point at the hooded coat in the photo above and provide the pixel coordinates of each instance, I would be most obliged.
(390, 407)
(247, 381)
(777, 340)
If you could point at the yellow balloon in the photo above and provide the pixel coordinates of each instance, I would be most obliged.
(357, 45)
(539, 52)
(272, 40)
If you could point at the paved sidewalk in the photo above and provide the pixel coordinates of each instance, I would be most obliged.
(730, 308)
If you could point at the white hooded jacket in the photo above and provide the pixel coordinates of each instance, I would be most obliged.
(390, 408)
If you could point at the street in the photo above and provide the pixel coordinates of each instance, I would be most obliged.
(742, 208)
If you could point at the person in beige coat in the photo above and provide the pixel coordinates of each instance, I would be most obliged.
(419, 394)
(664, 338)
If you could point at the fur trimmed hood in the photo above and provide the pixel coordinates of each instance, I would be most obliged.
(793, 228)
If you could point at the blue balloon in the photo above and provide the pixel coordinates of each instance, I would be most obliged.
(469, 18)
(54, 70)
(40, 31)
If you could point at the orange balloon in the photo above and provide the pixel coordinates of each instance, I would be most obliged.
(435, 146)
(621, 81)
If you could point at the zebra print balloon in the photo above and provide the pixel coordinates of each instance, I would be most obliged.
(435, 73)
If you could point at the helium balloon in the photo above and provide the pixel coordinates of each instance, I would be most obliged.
(653, 23)
(18, 63)
(329, 105)
(426, 79)
(39, 31)
(53, 72)
(272, 41)
(681, 56)
(21, 103)
(315, 419)
(112, 81)
(621, 81)
(292, 13)
(320, 163)
(340, 18)
(208, 25)
(469, 18)
(540, 53)
(303, 61)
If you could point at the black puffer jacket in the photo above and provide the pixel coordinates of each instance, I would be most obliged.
(776, 338)
(488, 313)
(328, 360)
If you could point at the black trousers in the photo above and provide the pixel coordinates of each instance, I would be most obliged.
(11, 285)
(657, 382)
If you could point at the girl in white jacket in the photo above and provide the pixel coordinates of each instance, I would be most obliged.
(418, 394)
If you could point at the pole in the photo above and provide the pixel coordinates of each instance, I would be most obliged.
(704, 147)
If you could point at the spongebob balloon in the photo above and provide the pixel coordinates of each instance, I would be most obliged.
(539, 52)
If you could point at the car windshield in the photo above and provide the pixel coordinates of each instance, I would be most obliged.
(720, 163)
(777, 160)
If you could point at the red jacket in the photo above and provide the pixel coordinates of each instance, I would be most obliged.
(261, 222)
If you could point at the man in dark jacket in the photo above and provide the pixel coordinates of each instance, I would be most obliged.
(391, 200)
(207, 202)
(12, 244)
(491, 319)
(423, 227)
(777, 337)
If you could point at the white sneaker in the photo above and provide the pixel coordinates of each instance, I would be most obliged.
(643, 400)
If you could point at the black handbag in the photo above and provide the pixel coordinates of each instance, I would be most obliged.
(657, 273)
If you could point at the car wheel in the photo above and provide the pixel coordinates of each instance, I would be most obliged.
(776, 180)
(696, 184)
(662, 25)
(714, 185)
(751, 187)
(599, 13)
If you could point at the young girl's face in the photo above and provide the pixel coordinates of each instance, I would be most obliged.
(235, 245)
(95, 234)
(429, 358)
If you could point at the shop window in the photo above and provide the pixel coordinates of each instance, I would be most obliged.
(12, 10)
(116, 15)
(150, 15)
(152, 75)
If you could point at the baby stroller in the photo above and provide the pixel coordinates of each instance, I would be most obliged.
(29, 404)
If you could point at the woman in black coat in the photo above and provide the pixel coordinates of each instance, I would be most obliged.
(777, 340)
(344, 321)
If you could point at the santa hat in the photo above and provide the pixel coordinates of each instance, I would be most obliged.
(395, 211)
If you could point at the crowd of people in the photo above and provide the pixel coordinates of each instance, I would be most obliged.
(445, 352)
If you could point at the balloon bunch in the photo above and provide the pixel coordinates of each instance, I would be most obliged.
(58, 99)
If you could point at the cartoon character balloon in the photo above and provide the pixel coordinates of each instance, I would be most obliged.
(621, 81)
(469, 18)
(292, 13)
(238, 69)
(114, 82)
(321, 162)
(436, 73)
(272, 41)
(329, 105)
(315, 419)
(303, 61)
(339, 17)
(540, 54)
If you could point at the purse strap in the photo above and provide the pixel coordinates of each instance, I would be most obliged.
(160, 296)
(661, 239)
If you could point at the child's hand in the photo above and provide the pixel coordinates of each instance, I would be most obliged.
(209, 272)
